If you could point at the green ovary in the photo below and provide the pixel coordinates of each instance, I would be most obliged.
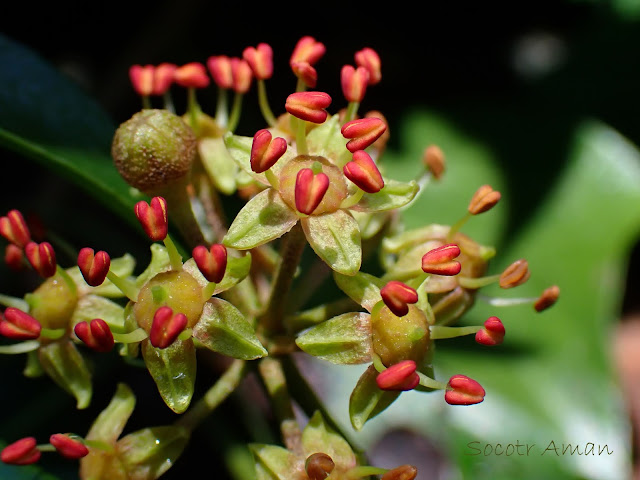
(396, 339)
(174, 289)
(54, 302)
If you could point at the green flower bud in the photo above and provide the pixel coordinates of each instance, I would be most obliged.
(153, 150)
(54, 302)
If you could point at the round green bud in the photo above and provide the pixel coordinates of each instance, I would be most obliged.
(154, 149)
(54, 302)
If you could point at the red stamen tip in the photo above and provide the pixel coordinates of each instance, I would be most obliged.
(166, 327)
(22, 452)
(440, 260)
(19, 325)
(260, 59)
(41, 257)
(153, 218)
(354, 82)
(369, 59)
(191, 75)
(308, 106)
(94, 267)
(401, 376)
(397, 296)
(363, 132)
(68, 447)
(266, 151)
(212, 261)
(310, 190)
(14, 228)
(462, 390)
(363, 171)
(95, 334)
(492, 333)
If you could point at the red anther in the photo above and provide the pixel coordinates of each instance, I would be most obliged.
(19, 325)
(14, 228)
(220, 69)
(307, 50)
(94, 267)
(433, 159)
(354, 82)
(14, 257)
(266, 151)
(191, 75)
(440, 260)
(484, 199)
(241, 74)
(212, 261)
(310, 190)
(142, 79)
(22, 452)
(68, 447)
(547, 298)
(401, 376)
(369, 59)
(166, 327)
(492, 333)
(403, 472)
(462, 390)
(363, 171)
(515, 274)
(163, 78)
(95, 334)
(363, 132)
(397, 295)
(153, 218)
(260, 60)
(305, 72)
(41, 257)
(308, 106)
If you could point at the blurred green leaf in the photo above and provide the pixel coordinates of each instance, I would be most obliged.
(48, 119)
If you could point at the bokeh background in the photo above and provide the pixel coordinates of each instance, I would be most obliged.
(511, 82)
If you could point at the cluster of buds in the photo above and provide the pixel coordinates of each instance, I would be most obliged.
(308, 177)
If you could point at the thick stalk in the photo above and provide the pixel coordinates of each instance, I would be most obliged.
(220, 390)
(273, 377)
(291, 250)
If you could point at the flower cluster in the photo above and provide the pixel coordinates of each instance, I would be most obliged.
(308, 177)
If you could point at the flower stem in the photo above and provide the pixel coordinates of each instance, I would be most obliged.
(136, 335)
(174, 256)
(264, 104)
(125, 286)
(222, 117)
(457, 226)
(301, 137)
(474, 283)
(291, 251)
(220, 390)
(439, 332)
(14, 302)
(430, 382)
(273, 377)
(22, 347)
(352, 109)
(236, 109)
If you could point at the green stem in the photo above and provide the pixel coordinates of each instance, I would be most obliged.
(430, 382)
(236, 109)
(146, 102)
(301, 137)
(352, 200)
(363, 471)
(207, 292)
(22, 347)
(264, 104)
(136, 335)
(352, 110)
(292, 247)
(124, 285)
(475, 283)
(300, 85)
(438, 332)
(222, 118)
(457, 226)
(506, 302)
(52, 333)
(272, 375)
(15, 302)
(175, 259)
(220, 390)
(168, 102)
(193, 108)
(273, 180)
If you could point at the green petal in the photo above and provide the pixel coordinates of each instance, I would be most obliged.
(326, 140)
(335, 237)
(93, 306)
(264, 218)
(317, 436)
(371, 224)
(222, 169)
(367, 400)
(174, 371)
(147, 454)
(159, 263)
(224, 329)
(65, 365)
(345, 339)
(112, 420)
(394, 195)
(362, 288)
(276, 463)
